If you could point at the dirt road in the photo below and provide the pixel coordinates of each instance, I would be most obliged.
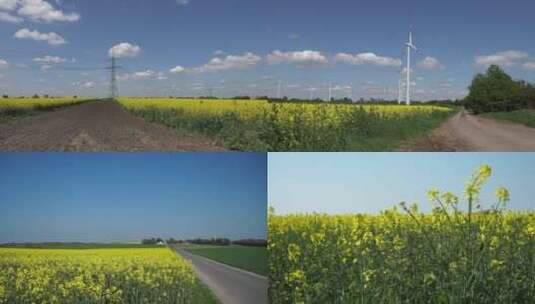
(230, 285)
(465, 132)
(94, 126)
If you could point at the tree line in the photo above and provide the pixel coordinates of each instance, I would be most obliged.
(496, 91)
(211, 241)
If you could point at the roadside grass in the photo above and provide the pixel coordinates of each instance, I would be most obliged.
(524, 117)
(253, 259)
(394, 136)
(202, 294)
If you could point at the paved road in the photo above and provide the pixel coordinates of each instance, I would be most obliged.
(466, 132)
(93, 126)
(229, 284)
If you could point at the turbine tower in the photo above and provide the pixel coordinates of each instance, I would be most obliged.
(279, 90)
(400, 88)
(410, 46)
(330, 93)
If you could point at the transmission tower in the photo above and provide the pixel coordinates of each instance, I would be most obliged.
(114, 92)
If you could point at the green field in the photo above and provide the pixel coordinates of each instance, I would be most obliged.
(253, 259)
(525, 117)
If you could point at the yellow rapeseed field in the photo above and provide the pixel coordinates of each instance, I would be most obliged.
(20, 106)
(405, 256)
(126, 275)
(261, 125)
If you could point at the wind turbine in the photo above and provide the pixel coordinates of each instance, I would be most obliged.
(279, 90)
(410, 46)
(330, 93)
(311, 89)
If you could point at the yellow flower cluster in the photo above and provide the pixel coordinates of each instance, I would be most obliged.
(126, 275)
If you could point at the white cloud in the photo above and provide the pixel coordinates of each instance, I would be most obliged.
(367, 58)
(218, 52)
(341, 87)
(40, 10)
(8, 5)
(3, 64)
(52, 59)
(292, 86)
(9, 18)
(45, 67)
(146, 74)
(183, 2)
(430, 63)
(505, 59)
(84, 84)
(294, 36)
(34, 10)
(229, 62)
(177, 69)
(299, 58)
(124, 50)
(50, 38)
(529, 65)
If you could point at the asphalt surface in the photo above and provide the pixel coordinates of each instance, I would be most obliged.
(230, 285)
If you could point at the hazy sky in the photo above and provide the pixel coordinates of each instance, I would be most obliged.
(231, 47)
(126, 197)
(371, 182)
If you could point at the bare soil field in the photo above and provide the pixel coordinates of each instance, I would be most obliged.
(94, 126)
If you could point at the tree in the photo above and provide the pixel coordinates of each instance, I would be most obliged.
(492, 91)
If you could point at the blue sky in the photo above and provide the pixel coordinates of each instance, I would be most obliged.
(339, 183)
(231, 47)
(126, 197)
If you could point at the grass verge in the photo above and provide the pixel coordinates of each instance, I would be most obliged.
(524, 117)
(203, 295)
